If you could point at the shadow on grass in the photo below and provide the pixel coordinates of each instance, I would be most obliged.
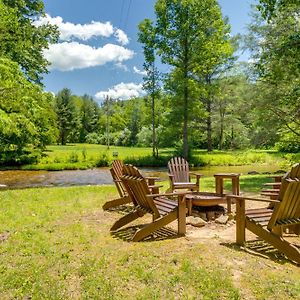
(252, 183)
(262, 249)
(122, 209)
(126, 234)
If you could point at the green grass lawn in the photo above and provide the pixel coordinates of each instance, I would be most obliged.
(84, 156)
(55, 244)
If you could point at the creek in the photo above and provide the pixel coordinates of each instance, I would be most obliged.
(11, 179)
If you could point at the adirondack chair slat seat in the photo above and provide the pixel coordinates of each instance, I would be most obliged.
(278, 184)
(268, 223)
(116, 173)
(180, 175)
(163, 209)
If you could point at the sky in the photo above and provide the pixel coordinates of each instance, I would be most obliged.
(98, 53)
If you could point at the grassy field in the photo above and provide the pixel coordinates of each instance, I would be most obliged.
(55, 244)
(84, 156)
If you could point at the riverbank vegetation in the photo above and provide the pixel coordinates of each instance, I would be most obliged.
(85, 156)
(206, 100)
(55, 244)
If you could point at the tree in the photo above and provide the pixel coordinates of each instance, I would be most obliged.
(108, 110)
(187, 31)
(89, 116)
(269, 8)
(21, 40)
(276, 55)
(232, 118)
(27, 121)
(67, 117)
(147, 36)
(215, 55)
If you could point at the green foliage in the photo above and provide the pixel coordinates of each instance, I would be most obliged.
(21, 40)
(270, 8)
(147, 36)
(148, 161)
(26, 115)
(102, 160)
(73, 158)
(275, 50)
(89, 117)
(192, 38)
(67, 116)
(93, 138)
(289, 142)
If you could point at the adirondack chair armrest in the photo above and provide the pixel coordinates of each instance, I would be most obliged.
(169, 194)
(154, 186)
(197, 175)
(239, 198)
(171, 177)
(152, 178)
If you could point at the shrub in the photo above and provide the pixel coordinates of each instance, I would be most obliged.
(102, 161)
(93, 138)
(148, 161)
(73, 157)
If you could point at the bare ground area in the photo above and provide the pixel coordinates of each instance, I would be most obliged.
(258, 270)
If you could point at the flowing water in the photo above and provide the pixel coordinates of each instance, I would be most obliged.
(101, 176)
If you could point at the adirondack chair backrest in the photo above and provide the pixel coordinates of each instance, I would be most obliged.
(138, 189)
(294, 173)
(116, 173)
(179, 167)
(287, 212)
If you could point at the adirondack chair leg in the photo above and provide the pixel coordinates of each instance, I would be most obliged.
(278, 231)
(126, 220)
(296, 229)
(291, 252)
(182, 215)
(157, 224)
(116, 202)
(240, 222)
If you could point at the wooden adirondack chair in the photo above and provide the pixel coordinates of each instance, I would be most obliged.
(268, 223)
(180, 175)
(274, 188)
(163, 209)
(116, 173)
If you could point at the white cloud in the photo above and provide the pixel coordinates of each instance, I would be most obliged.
(138, 71)
(121, 36)
(69, 56)
(122, 91)
(121, 66)
(81, 31)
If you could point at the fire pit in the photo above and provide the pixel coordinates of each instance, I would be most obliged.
(204, 200)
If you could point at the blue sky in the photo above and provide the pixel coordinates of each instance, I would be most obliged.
(98, 53)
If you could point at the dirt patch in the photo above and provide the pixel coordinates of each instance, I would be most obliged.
(4, 236)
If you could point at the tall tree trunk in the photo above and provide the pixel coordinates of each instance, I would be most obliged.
(153, 127)
(222, 116)
(185, 103)
(208, 120)
(208, 124)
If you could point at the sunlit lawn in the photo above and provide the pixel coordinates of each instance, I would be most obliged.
(83, 156)
(55, 244)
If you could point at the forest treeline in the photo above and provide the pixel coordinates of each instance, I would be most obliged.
(207, 100)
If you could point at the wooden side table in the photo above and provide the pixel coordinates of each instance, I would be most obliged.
(235, 185)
